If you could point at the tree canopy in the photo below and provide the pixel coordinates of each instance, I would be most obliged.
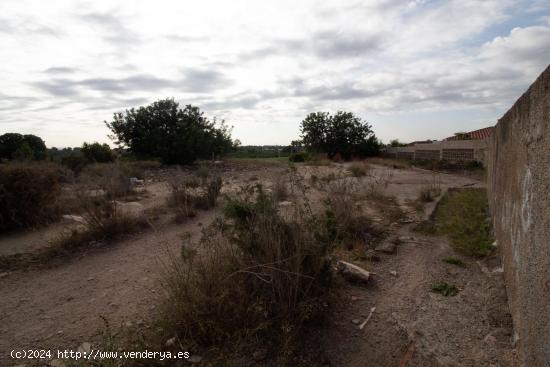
(166, 131)
(341, 134)
(100, 153)
(22, 147)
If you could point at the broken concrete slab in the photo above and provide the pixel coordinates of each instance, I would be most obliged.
(352, 273)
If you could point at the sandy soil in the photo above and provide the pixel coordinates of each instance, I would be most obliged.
(61, 307)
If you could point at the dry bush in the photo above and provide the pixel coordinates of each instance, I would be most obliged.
(280, 192)
(190, 193)
(104, 221)
(140, 169)
(345, 222)
(431, 191)
(256, 277)
(358, 169)
(28, 194)
(109, 177)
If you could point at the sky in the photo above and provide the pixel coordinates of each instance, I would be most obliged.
(415, 70)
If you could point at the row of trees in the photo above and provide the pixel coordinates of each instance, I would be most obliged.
(182, 135)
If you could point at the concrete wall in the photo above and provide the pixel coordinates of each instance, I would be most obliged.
(459, 150)
(519, 195)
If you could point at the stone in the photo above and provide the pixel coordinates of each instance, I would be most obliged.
(90, 279)
(352, 273)
(131, 208)
(73, 219)
(394, 273)
(356, 321)
(134, 181)
(85, 347)
(387, 247)
(171, 342)
(194, 359)
(285, 203)
(4, 274)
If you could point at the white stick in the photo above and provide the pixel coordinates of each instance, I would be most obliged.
(367, 319)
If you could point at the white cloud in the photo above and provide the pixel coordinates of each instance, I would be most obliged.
(68, 65)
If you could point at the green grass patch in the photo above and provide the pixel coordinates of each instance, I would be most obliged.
(454, 261)
(463, 216)
(445, 289)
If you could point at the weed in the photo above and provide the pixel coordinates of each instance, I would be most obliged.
(358, 169)
(256, 277)
(463, 215)
(280, 192)
(454, 261)
(445, 289)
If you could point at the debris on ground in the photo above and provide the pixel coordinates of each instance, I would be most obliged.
(352, 273)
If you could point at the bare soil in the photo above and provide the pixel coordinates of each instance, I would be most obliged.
(63, 306)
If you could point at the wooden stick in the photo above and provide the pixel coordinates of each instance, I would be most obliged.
(367, 319)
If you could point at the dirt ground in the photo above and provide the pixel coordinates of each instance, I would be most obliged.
(60, 307)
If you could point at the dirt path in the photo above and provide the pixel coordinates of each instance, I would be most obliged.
(412, 326)
(62, 307)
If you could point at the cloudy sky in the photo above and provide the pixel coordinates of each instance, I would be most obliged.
(414, 69)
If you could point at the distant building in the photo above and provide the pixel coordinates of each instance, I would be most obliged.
(467, 146)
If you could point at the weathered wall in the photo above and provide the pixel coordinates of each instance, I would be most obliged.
(519, 194)
(450, 150)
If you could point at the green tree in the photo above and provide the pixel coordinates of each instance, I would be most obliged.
(343, 134)
(26, 146)
(396, 143)
(175, 135)
(100, 153)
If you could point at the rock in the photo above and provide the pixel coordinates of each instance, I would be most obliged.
(131, 208)
(194, 359)
(171, 342)
(73, 219)
(387, 247)
(394, 273)
(4, 274)
(353, 298)
(285, 203)
(490, 339)
(356, 321)
(352, 273)
(134, 181)
(128, 324)
(85, 347)
(90, 279)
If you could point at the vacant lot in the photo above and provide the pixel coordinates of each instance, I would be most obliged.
(63, 301)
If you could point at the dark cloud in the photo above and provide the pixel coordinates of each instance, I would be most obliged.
(114, 30)
(192, 80)
(328, 44)
(60, 70)
(58, 87)
(203, 80)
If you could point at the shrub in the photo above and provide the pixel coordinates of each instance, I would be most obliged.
(99, 153)
(298, 157)
(454, 261)
(28, 195)
(257, 277)
(358, 169)
(109, 177)
(280, 192)
(103, 222)
(445, 289)
(189, 194)
(74, 162)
